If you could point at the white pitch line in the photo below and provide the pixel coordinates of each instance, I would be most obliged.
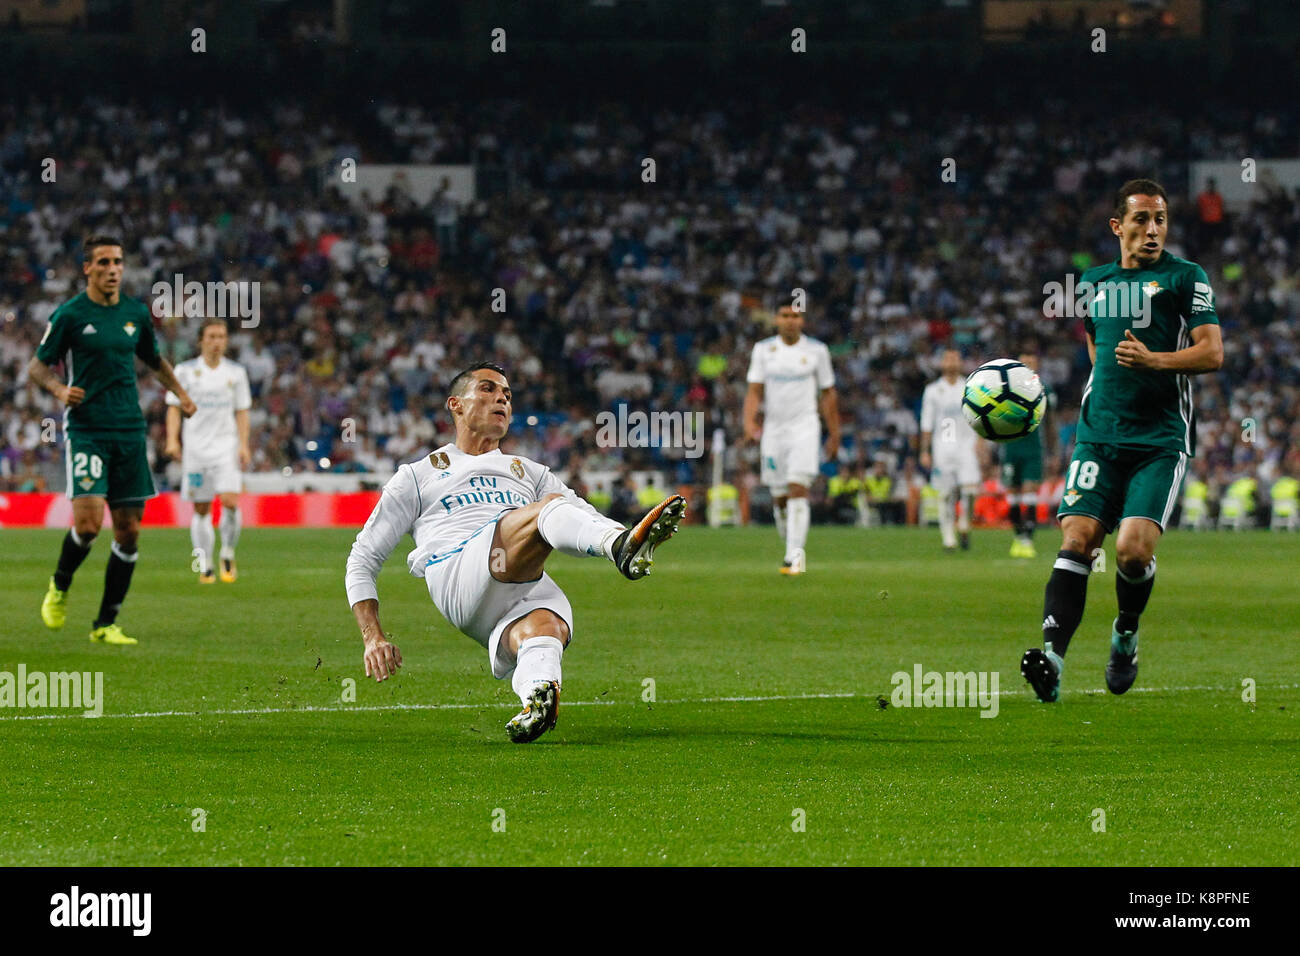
(352, 708)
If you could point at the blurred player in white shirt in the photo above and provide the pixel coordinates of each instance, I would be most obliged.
(213, 446)
(484, 524)
(791, 378)
(948, 449)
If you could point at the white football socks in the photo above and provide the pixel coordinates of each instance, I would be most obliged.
(947, 518)
(538, 662)
(778, 516)
(799, 515)
(967, 505)
(229, 532)
(203, 538)
(572, 530)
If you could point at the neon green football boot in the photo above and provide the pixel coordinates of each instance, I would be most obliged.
(54, 609)
(111, 634)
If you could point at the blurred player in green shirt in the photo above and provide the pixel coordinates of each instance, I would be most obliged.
(98, 335)
(1151, 325)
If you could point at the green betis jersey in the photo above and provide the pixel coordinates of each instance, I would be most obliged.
(100, 344)
(1161, 304)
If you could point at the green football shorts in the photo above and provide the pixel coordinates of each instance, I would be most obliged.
(111, 467)
(1022, 462)
(1114, 482)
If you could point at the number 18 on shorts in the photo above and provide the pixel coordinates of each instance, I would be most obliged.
(1114, 482)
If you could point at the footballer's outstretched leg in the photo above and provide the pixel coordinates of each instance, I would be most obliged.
(634, 548)
(1063, 602)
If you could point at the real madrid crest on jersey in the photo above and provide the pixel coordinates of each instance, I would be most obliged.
(439, 459)
(517, 468)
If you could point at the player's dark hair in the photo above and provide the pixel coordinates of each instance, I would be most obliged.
(1137, 187)
(92, 243)
(203, 326)
(458, 383)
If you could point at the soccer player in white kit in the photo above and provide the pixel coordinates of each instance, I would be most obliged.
(790, 376)
(948, 449)
(213, 446)
(484, 524)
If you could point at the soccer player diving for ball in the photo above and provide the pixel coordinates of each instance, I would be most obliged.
(484, 524)
(1151, 324)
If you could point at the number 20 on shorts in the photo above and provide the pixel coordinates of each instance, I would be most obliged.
(83, 464)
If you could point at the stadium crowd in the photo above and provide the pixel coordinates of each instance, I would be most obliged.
(622, 290)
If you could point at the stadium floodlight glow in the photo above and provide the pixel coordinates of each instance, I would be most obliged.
(532, 419)
(325, 463)
(311, 446)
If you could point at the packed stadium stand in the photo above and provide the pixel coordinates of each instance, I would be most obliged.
(621, 291)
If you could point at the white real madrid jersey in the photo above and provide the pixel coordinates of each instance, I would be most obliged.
(793, 377)
(440, 501)
(942, 417)
(209, 435)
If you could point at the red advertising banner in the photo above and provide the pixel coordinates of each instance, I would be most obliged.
(307, 510)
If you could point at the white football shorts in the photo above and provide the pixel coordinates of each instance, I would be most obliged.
(789, 458)
(952, 470)
(202, 481)
(462, 587)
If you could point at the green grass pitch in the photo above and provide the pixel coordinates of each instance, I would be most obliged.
(232, 705)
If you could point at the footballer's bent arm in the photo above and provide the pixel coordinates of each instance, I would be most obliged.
(167, 375)
(1205, 354)
(43, 375)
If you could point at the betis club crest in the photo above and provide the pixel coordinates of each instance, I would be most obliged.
(439, 460)
(517, 468)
